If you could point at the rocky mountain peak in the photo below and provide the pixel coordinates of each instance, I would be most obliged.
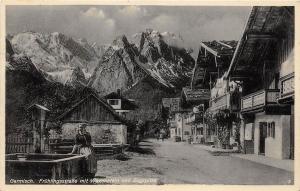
(120, 42)
(9, 49)
(148, 55)
(77, 78)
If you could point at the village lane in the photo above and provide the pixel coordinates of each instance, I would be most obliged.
(182, 163)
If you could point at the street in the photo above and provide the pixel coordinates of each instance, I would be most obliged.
(181, 163)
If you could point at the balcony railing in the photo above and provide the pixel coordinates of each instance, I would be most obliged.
(259, 99)
(287, 86)
(221, 102)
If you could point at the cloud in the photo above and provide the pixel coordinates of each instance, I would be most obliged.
(110, 22)
(99, 16)
(94, 12)
(165, 22)
(133, 11)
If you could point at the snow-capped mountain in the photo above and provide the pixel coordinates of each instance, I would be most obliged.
(151, 54)
(56, 54)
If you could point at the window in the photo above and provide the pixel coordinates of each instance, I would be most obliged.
(113, 102)
(271, 129)
(186, 133)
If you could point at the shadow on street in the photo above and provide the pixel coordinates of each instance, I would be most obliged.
(143, 148)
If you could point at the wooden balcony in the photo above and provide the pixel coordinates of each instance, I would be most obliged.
(287, 87)
(221, 102)
(258, 100)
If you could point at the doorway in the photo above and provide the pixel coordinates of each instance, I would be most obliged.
(262, 136)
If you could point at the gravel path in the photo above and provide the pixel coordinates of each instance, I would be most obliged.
(177, 163)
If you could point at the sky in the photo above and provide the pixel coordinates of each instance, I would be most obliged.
(102, 24)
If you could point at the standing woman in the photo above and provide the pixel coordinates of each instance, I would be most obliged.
(83, 147)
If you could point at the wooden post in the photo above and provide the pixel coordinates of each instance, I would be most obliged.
(38, 116)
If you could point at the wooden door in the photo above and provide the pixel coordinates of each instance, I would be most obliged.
(262, 136)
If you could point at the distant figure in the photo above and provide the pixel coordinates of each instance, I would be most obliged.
(83, 147)
(162, 134)
(138, 132)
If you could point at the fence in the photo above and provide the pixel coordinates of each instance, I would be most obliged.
(16, 143)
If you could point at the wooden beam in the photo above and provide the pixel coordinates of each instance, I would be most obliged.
(209, 49)
(228, 46)
(261, 36)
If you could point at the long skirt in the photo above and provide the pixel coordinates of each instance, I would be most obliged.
(90, 162)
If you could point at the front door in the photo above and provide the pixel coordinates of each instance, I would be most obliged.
(262, 136)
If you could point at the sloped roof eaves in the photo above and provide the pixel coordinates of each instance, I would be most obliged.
(38, 106)
(250, 27)
(219, 48)
(195, 95)
(98, 99)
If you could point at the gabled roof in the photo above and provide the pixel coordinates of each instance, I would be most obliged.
(102, 102)
(195, 94)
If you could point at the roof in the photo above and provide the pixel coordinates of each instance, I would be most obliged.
(196, 94)
(220, 48)
(82, 100)
(102, 102)
(38, 106)
(214, 57)
(265, 24)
